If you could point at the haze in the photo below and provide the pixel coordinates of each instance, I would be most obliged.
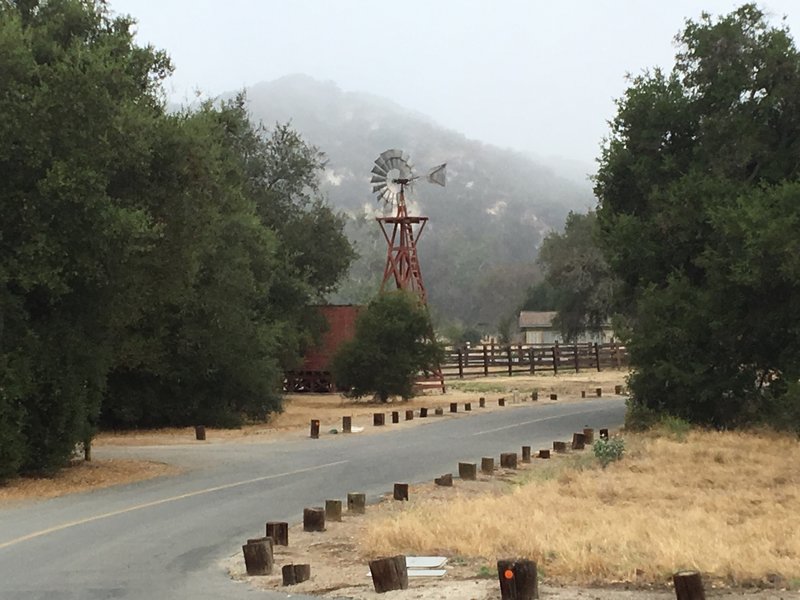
(539, 77)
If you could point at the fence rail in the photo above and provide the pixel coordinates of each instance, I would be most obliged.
(514, 359)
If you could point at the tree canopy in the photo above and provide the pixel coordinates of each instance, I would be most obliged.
(154, 266)
(391, 347)
(699, 206)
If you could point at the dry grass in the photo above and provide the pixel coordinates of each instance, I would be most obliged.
(723, 503)
(81, 476)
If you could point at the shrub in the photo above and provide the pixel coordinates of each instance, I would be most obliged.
(608, 451)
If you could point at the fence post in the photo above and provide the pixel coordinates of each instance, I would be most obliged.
(577, 359)
(597, 355)
(555, 358)
(508, 355)
(530, 357)
(485, 362)
(460, 364)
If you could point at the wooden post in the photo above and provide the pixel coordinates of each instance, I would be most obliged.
(467, 471)
(583, 393)
(356, 503)
(389, 574)
(314, 519)
(518, 580)
(617, 389)
(553, 396)
(423, 412)
(460, 364)
(598, 392)
(555, 358)
(395, 416)
(510, 363)
(200, 432)
(481, 402)
(279, 532)
(578, 441)
(314, 429)
(333, 510)
(467, 406)
(526, 454)
(560, 447)
(293, 574)
(347, 424)
(588, 435)
(544, 453)
(409, 415)
(485, 362)
(454, 407)
(688, 585)
(487, 465)
(604, 434)
(438, 411)
(535, 396)
(400, 491)
(258, 558)
(445, 480)
(577, 359)
(597, 355)
(501, 402)
(378, 419)
(530, 360)
(508, 460)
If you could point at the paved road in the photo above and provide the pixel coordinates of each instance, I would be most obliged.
(164, 539)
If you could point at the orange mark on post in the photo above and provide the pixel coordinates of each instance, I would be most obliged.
(509, 574)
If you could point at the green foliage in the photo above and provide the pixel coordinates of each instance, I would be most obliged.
(675, 427)
(390, 348)
(699, 192)
(608, 451)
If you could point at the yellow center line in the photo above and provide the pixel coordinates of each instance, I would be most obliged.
(122, 511)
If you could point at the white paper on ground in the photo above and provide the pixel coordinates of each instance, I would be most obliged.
(421, 573)
(425, 562)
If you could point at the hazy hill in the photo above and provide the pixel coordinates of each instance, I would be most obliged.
(478, 250)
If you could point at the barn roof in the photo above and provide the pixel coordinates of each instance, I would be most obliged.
(536, 319)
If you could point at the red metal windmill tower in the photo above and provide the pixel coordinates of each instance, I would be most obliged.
(392, 174)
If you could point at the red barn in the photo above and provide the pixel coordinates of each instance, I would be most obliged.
(315, 375)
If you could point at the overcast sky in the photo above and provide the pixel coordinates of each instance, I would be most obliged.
(531, 75)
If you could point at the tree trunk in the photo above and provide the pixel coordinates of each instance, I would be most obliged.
(333, 510)
(258, 557)
(293, 574)
(401, 491)
(389, 574)
(356, 503)
(518, 579)
(688, 586)
(279, 532)
(314, 519)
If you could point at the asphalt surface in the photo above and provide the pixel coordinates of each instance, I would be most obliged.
(165, 538)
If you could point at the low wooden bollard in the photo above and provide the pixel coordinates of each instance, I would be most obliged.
(356, 503)
(604, 434)
(560, 447)
(279, 532)
(598, 392)
(293, 574)
(526, 454)
(409, 415)
(467, 406)
(617, 389)
(258, 557)
(544, 453)
(378, 419)
(445, 480)
(508, 460)
(347, 424)
(481, 402)
(553, 396)
(578, 441)
(501, 402)
(454, 407)
(487, 465)
(439, 411)
(583, 393)
(333, 510)
(688, 585)
(395, 416)
(467, 471)
(314, 429)
(588, 435)
(423, 412)
(200, 433)
(535, 396)
(518, 580)
(389, 574)
(400, 491)
(314, 519)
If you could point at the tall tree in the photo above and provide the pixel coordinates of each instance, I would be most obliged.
(699, 195)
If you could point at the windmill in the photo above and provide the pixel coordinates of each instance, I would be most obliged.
(392, 175)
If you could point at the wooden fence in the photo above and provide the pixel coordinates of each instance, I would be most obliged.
(516, 359)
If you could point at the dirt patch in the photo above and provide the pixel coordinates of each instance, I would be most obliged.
(81, 476)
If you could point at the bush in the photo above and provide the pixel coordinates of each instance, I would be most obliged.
(608, 451)
(638, 416)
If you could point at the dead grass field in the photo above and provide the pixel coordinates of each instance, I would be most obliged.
(725, 504)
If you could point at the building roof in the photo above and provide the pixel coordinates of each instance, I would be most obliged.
(533, 318)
